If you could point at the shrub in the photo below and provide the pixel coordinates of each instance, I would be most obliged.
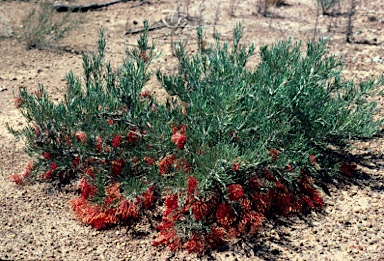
(242, 144)
(42, 27)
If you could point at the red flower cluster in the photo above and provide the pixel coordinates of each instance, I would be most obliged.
(86, 189)
(127, 210)
(117, 167)
(145, 94)
(235, 192)
(81, 136)
(179, 137)
(116, 141)
(165, 165)
(92, 214)
(148, 160)
(195, 244)
(274, 153)
(133, 135)
(224, 215)
(16, 178)
(149, 198)
(99, 144)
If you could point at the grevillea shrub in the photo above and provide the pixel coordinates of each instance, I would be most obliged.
(240, 145)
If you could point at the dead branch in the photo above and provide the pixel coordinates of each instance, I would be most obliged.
(153, 28)
(181, 23)
(84, 8)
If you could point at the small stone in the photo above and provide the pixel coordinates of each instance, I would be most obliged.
(377, 59)
(39, 70)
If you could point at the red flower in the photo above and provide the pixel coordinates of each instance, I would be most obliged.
(81, 136)
(166, 164)
(255, 183)
(110, 122)
(46, 155)
(48, 174)
(99, 144)
(53, 166)
(195, 244)
(179, 137)
(76, 161)
(182, 165)
(86, 189)
(290, 168)
(268, 175)
(192, 184)
(217, 236)
(16, 178)
(149, 198)
(235, 192)
(306, 200)
(348, 169)
(246, 203)
(18, 102)
(274, 153)
(117, 167)
(224, 215)
(148, 160)
(28, 169)
(116, 141)
(68, 141)
(135, 160)
(312, 158)
(92, 215)
(200, 209)
(133, 135)
(127, 210)
(236, 166)
(280, 186)
(262, 200)
(145, 94)
(165, 237)
(251, 219)
(171, 204)
(184, 110)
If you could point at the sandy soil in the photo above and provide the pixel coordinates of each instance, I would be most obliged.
(36, 222)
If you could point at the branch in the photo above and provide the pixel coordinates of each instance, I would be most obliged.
(84, 8)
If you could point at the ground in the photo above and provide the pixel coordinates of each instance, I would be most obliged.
(36, 222)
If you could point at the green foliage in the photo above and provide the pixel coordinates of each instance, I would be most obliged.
(42, 27)
(242, 144)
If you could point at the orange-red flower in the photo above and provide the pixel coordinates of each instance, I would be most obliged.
(86, 189)
(127, 210)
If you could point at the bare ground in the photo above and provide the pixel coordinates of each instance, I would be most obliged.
(36, 222)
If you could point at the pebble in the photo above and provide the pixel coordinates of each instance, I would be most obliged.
(377, 59)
